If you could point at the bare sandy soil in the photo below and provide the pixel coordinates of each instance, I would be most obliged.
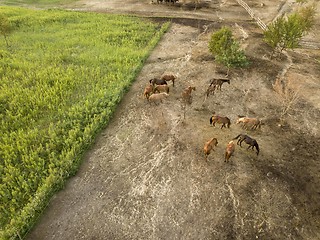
(146, 176)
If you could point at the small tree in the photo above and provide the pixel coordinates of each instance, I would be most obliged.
(287, 94)
(286, 32)
(226, 49)
(5, 27)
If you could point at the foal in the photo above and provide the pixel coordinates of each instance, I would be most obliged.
(208, 146)
(248, 140)
(186, 94)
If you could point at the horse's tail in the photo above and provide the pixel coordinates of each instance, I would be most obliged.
(229, 122)
(237, 137)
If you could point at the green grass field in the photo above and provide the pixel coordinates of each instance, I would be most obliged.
(62, 75)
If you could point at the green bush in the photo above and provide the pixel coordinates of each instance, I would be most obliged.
(287, 31)
(226, 49)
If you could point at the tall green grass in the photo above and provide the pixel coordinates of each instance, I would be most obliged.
(61, 79)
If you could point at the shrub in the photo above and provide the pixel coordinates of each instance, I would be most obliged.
(226, 49)
(286, 32)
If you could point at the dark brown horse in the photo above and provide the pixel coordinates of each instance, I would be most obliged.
(222, 120)
(157, 81)
(218, 82)
(248, 140)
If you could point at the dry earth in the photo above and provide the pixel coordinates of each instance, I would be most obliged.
(146, 176)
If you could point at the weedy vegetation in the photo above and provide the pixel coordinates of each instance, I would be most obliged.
(62, 75)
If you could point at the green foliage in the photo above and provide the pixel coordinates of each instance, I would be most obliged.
(59, 86)
(286, 32)
(220, 41)
(226, 49)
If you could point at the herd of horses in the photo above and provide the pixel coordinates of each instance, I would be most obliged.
(157, 89)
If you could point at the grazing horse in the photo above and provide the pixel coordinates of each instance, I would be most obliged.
(246, 122)
(248, 140)
(229, 151)
(186, 94)
(218, 119)
(157, 81)
(208, 146)
(218, 82)
(168, 77)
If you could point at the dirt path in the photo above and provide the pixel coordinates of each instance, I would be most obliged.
(146, 177)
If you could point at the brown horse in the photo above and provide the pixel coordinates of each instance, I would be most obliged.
(229, 151)
(247, 122)
(208, 146)
(161, 88)
(218, 82)
(186, 94)
(248, 140)
(168, 77)
(218, 119)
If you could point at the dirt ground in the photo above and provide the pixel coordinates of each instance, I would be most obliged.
(146, 176)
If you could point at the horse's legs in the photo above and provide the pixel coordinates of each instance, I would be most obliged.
(226, 157)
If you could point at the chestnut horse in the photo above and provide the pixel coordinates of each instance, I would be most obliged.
(218, 119)
(248, 140)
(208, 146)
(229, 151)
(168, 77)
